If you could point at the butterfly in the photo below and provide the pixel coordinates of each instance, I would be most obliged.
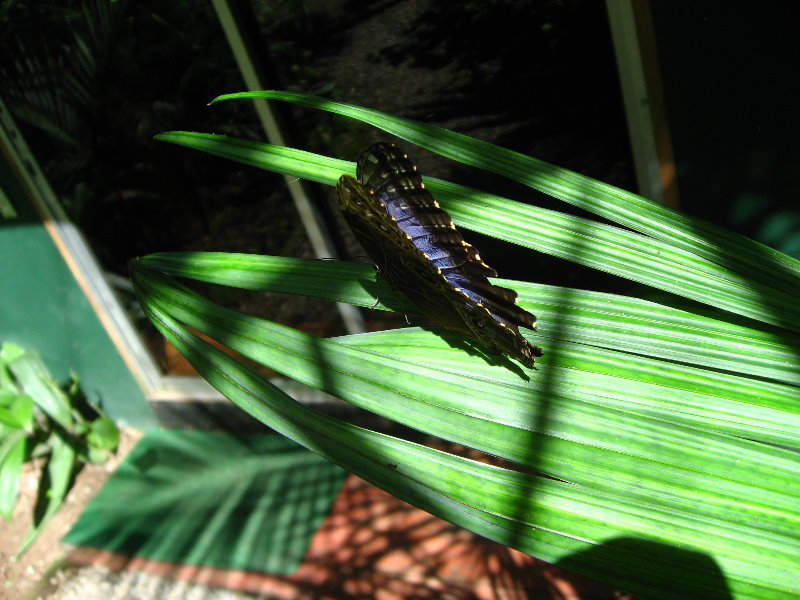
(419, 251)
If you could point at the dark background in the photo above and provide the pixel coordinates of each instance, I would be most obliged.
(731, 91)
(91, 87)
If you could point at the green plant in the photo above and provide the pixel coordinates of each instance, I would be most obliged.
(662, 432)
(38, 419)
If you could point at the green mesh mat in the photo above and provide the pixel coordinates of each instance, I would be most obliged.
(232, 502)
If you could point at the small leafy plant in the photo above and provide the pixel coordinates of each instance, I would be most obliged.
(39, 419)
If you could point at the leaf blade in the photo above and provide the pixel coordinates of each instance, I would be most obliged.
(610, 249)
(554, 513)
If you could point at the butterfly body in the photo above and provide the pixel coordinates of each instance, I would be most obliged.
(418, 249)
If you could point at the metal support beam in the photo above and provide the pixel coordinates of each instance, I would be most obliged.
(253, 73)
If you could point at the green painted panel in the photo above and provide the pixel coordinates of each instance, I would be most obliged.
(43, 308)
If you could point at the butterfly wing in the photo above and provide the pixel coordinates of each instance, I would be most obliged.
(418, 249)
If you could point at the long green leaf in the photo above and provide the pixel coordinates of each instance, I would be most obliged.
(723, 247)
(12, 454)
(54, 483)
(32, 375)
(598, 319)
(660, 428)
(611, 249)
(693, 487)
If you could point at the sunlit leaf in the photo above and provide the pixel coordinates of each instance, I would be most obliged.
(12, 454)
(661, 431)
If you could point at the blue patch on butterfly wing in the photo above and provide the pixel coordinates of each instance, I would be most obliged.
(425, 236)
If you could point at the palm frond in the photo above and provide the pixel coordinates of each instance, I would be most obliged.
(662, 432)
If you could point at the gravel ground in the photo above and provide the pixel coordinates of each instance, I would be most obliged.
(102, 583)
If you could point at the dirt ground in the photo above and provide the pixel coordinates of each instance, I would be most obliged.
(21, 577)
